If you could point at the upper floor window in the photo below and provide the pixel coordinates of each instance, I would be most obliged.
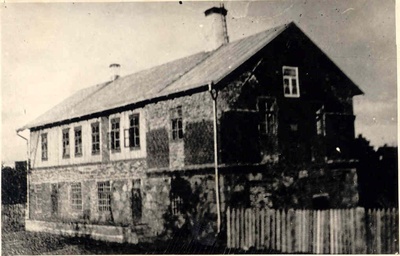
(44, 146)
(104, 196)
(115, 135)
(176, 123)
(268, 121)
(95, 138)
(65, 143)
(76, 196)
(291, 81)
(132, 138)
(320, 121)
(78, 141)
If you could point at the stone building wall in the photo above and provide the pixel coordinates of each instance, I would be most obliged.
(197, 116)
(120, 175)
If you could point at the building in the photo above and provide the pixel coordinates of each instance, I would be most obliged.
(133, 158)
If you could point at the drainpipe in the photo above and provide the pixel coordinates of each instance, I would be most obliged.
(28, 164)
(214, 95)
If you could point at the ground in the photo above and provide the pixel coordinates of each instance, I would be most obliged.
(31, 243)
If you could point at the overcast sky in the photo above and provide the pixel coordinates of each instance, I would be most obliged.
(49, 51)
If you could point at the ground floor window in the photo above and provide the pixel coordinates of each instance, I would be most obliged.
(176, 204)
(76, 196)
(104, 196)
(38, 197)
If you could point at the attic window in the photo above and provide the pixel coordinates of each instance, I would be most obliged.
(291, 82)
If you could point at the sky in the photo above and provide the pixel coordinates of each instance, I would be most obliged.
(51, 50)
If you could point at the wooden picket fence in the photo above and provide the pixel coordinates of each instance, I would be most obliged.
(334, 231)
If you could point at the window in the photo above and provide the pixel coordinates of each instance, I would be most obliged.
(115, 137)
(44, 146)
(291, 82)
(132, 138)
(176, 123)
(78, 141)
(95, 138)
(76, 196)
(104, 196)
(65, 143)
(38, 197)
(176, 204)
(268, 122)
(320, 121)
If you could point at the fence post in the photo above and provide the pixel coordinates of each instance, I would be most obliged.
(228, 227)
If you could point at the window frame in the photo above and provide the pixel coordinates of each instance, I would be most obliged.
(132, 140)
(320, 124)
(76, 196)
(290, 79)
(95, 138)
(104, 196)
(78, 147)
(176, 116)
(177, 204)
(38, 188)
(114, 139)
(44, 147)
(66, 143)
(268, 118)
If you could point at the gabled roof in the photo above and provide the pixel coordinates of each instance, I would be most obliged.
(173, 77)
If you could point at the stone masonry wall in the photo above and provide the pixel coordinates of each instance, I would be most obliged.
(196, 112)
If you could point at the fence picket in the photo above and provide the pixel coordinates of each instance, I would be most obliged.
(314, 231)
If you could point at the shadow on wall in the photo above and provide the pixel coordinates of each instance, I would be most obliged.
(192, 216)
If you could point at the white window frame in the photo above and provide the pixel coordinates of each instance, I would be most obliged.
(104, 196)
(66, 143)
(290, 79)
(132, 134)
(76, 196)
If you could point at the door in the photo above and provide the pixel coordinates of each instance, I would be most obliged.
(136, 201)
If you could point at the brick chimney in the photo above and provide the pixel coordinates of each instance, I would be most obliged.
(219, 31)
(114, 68)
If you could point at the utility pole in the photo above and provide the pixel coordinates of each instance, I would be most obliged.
(214, 95)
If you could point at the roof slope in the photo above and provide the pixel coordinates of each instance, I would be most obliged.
(183, 74)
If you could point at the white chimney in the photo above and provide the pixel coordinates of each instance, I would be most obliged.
(114, 68)
(219, 31)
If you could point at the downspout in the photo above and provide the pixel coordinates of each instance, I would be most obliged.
(214, 95)
(28, 164)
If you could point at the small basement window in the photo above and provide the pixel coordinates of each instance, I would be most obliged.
(291, 82)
